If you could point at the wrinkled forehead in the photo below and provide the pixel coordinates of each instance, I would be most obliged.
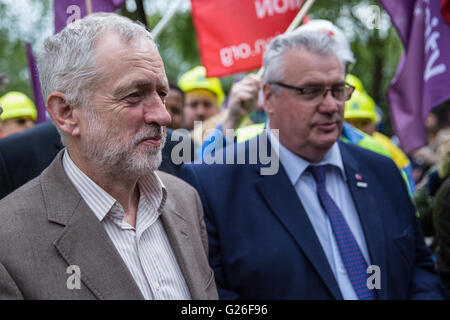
(303, 64)
(114, 53)
(110, 44)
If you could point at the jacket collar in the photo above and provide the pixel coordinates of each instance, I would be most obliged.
(83, 241)
(283, 198)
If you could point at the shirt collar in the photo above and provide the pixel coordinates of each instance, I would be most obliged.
(101, 202)
(294, 165)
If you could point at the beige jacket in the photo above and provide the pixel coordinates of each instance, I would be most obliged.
(45, 226)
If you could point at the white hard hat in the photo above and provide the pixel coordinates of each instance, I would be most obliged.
(337, 34)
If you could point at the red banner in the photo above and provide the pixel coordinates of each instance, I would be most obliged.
(232, 34)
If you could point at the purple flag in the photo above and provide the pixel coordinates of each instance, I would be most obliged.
(36, 86)
(422, 81)
(68, 11)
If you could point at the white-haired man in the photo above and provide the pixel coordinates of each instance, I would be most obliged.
(100, 222)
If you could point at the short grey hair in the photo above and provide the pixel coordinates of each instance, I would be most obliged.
(312, 41)
(67, 63)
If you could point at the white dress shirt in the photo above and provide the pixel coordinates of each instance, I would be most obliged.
(305, 187)
(145, 249)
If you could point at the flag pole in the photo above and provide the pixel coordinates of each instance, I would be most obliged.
(142, 17)
(300, 15)
(89, 6)
(165, 19)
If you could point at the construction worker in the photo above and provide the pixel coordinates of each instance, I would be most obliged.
(204, 96)
(175, 106)
(360, 112)
(19, 113)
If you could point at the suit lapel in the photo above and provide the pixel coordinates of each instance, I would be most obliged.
(83, 241)
(179, 235)
(283, 201)
(370, 218)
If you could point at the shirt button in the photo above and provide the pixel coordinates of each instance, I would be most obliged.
(157, 287)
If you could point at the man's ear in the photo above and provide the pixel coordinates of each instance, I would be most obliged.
(268, 97)
(65, 116)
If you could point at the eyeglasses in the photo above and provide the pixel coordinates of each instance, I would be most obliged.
(317, 93)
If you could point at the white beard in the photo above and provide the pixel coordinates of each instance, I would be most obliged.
(121, 157)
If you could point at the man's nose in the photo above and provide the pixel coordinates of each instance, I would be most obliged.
(155, 111)
(329, 104)
(201, 110)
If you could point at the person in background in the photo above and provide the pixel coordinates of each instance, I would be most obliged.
(19, 113)
(426, 157)
(175, 106)
(203, 101)
(101, 210)
(360, 112)
(430, 207)
(441, 208)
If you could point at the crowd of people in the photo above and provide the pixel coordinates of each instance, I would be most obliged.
(346, 214)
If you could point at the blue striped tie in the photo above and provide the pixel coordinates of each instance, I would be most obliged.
(351, 255)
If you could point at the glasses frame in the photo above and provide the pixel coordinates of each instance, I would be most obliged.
(301, 89)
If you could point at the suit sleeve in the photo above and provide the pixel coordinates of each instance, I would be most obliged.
(8, 288)
(189, 175)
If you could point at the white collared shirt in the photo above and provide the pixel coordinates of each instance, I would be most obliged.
(305, 187)
(145, 249)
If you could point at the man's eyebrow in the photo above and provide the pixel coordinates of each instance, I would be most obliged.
(314, 84)
(123, 90)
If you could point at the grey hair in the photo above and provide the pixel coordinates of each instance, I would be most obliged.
(312, 41)
(67, 63)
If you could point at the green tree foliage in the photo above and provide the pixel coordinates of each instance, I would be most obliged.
(13, 34)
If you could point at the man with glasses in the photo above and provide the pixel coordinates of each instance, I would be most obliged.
(335, 221)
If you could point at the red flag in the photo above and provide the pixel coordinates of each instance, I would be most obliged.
(445, 10)
(232, 34)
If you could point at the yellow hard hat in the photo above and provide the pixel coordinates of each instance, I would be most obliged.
(354, 81)
(360, 106)
(196, 79)
(16, 105)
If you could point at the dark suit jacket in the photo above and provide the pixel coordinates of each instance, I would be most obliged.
(263, 246)
(45, 226)
(24, 155)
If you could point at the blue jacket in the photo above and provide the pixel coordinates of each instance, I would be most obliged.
(263, 246)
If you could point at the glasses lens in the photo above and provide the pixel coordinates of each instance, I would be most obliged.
(313, 92)
(339, 93)
(349, 91)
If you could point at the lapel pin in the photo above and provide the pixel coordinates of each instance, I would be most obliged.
(360, 183)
